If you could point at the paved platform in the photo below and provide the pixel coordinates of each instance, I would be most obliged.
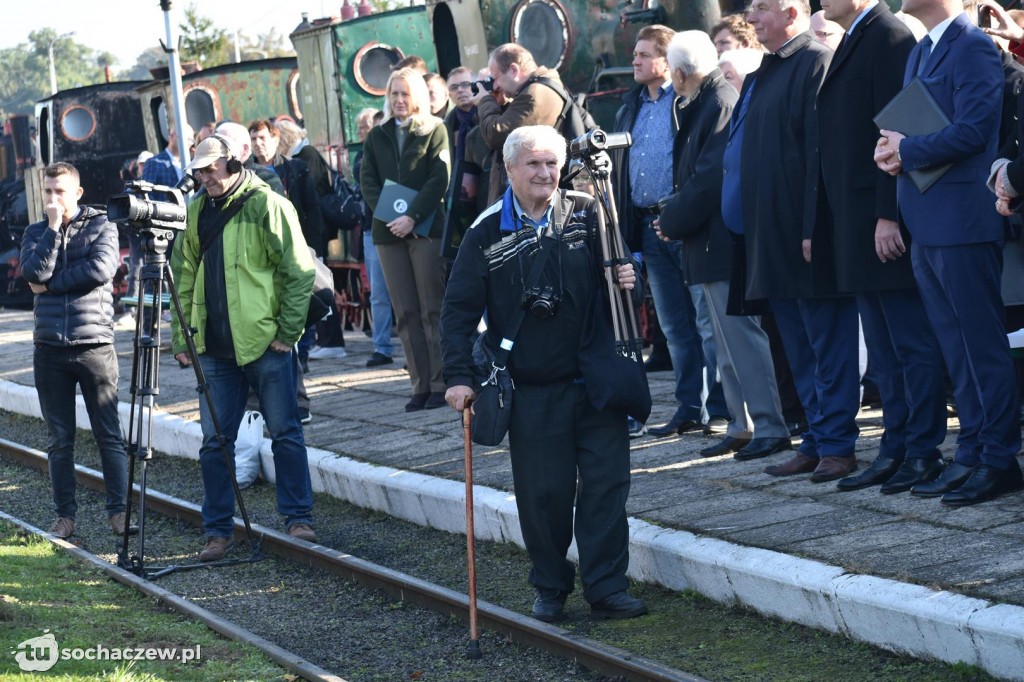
(904, 573)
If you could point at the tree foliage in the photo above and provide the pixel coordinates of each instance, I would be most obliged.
(25, 70)
(148, 59)
(201, 40)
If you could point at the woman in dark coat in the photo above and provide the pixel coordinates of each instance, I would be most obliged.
(410, 147)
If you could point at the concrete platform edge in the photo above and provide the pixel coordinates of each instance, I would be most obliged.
(902, 617)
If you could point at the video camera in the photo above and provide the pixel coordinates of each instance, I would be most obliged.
(597, 141)
(139, 213)
(485, 84)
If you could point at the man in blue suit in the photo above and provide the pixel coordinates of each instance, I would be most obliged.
(957, 247)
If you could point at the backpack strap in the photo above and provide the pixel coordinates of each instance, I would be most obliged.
(221, 221)
(562, 92)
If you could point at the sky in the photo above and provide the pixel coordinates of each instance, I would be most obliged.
(127, 27)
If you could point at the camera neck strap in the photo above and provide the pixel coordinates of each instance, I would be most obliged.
(221, 221)
(505, 347)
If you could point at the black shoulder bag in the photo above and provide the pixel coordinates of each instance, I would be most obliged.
(492, 407)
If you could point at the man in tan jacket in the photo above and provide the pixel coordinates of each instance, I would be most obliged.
(531, 102)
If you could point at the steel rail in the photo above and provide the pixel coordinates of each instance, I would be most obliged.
(602, 658)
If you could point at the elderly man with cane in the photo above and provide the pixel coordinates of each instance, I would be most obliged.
(563, 448)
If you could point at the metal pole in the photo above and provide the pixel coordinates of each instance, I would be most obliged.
(177, 95)
(53, 68)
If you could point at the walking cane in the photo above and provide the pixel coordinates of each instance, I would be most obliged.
(473, 651)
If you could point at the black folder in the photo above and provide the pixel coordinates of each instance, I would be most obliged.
(395, 200)
(913, 111)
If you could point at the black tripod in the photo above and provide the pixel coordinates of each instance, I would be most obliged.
(155, 276)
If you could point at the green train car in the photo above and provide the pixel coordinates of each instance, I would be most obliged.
(345, 63)
(242, 92)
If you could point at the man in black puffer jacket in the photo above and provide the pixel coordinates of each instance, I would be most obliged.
(69, 261)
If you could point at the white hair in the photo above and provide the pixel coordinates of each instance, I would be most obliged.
(533, 138)
(693, 52)
(745, 59)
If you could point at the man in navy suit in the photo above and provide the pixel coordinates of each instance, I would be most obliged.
(957, 249)
(858, 245)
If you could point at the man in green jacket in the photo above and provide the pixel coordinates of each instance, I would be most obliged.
(244, 285)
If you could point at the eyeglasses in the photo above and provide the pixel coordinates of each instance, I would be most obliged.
(455, 87)
(204, 171)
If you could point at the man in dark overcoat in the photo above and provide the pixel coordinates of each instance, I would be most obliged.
(693, 214)
(957, 251)
(769, 190)
(859, 246)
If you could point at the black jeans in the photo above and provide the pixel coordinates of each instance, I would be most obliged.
(93, 367)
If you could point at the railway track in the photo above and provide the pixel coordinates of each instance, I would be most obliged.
(606, 660)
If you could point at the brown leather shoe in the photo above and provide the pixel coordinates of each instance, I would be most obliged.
(302, 531)
(215, 548)
(63, 527)
(798, 464)
(830, 468)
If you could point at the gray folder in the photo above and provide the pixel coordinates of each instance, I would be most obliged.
(913, 111)
(395, 200)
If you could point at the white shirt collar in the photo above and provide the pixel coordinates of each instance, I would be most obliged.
(871, 6)
(936, 33)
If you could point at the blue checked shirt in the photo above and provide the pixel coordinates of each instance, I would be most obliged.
(650, 157)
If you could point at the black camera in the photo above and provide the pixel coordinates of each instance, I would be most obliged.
(484, 84)
(138, 212)
(597, 141)
(540, 302)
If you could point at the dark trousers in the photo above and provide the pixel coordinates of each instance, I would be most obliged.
(565, 451)
(820, 336)
(960, 287)
(906, 366)
(93, 367)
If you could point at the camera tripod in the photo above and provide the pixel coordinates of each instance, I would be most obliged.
(591, 152)
(145, 386)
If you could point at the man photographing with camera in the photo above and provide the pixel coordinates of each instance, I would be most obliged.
(559, 442)
(244, 275)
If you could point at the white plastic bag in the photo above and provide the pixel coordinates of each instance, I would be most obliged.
(247, 448)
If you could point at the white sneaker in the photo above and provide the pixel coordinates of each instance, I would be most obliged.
(125, 321)
(333, 353)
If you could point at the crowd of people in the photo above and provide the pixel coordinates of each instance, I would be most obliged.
(776, 225)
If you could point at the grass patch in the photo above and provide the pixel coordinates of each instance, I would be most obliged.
(45, 592)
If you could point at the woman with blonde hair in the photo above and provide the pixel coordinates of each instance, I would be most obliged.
(410, 147)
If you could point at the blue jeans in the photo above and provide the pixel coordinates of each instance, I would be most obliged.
(94, 368)
(677, 317)
(272, 377)
(380, 301)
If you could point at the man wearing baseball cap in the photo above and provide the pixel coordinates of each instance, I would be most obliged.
(245, 276)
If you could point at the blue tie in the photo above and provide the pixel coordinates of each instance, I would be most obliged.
(926, 51)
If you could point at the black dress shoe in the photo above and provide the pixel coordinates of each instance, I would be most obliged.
(880, 471)
(617, 606)
(912, 472)
(762, 447)
(658, 363)
(797, 428)
(673, 427)
(724, 447)
(951, 478)
(716, 426)
(548, 604)
(986, 483)
(417, 402)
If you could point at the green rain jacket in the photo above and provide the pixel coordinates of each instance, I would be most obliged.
(268, 271)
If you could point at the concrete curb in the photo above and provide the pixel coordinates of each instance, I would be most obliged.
(897, 616)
